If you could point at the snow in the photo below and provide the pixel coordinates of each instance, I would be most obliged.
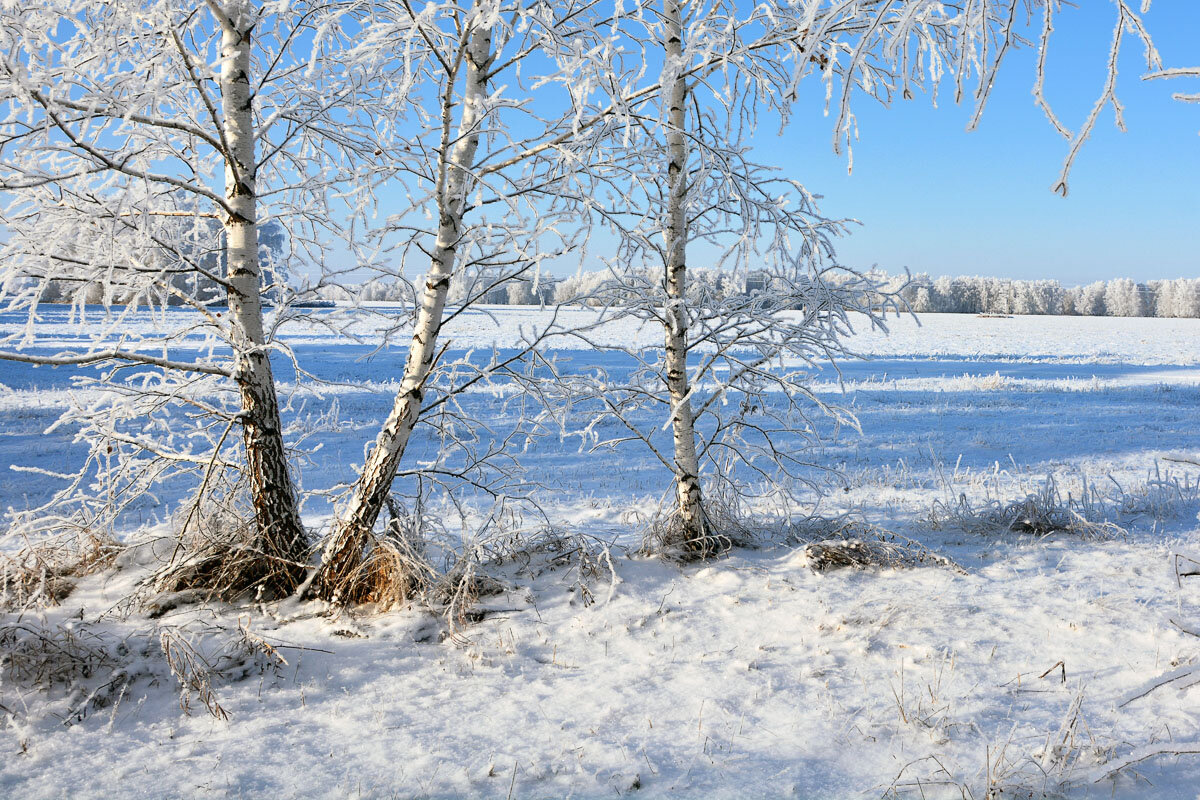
(749, 676)
(1075, 340)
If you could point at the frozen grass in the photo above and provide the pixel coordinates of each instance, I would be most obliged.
(419, 563)
(396, 567)
(727, 524)
(1163, 496)
(200, 657)
(1160, 498)
(850, 542)
(219, 555)
(872, 554)
(70, 670)
(1040, 513)
(44, 571)
(749, 673)
(61, 657)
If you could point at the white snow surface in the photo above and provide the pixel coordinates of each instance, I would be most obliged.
(1137, 340)
(1035, 672)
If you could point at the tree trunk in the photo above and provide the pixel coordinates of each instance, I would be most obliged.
(693, 533)
(344, 551)
(277, 516)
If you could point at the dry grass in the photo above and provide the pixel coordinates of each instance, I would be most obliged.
(411, 562)
(577, 561)
(1039, 513)
(221, 556)
(877, 554)
(1164, 495)
(830, 543)
(94, 668)
(456, 595)
(417, 561)
(585, 561)
(580, 562)
(201, 657)
(725, 525)
(45, 572)
(83, 663)
(847, 543)
(193, 671)
(396, 568)
(668, 536)
(63, 655)
(199, 660)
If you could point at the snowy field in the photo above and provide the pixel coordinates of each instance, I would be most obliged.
(1044, 667)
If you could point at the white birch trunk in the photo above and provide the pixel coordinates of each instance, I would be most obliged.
(344, 550)
(276, 510)
(675, 234)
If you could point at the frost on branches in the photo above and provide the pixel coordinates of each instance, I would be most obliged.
(144, 147)
(144, 187)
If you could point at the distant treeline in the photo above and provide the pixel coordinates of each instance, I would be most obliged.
(594, 287)
(962, 295)
(1116, 298)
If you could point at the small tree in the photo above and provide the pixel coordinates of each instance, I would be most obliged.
(539, 169)
(734, 371)
(477, 151)
(721, 65)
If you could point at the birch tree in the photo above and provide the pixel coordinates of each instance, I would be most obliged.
(722, 67)
(536, 164)
(727, 360)
(121, 117)
(499, 175)
(473, 56)
(881, 48)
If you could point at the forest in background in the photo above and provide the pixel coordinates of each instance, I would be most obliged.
(968, 294)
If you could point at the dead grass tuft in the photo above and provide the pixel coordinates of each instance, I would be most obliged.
(859, 554)
(396, 568)
(584, 560)
(416, 561)
(200, 657)
(412, 561)
(194, 673)
(1164, 495)
(456, 595)
(45, 572)
(1040, 513)
(220, 556)
(848, 543)
(88, 667)
(63, 655)
(725, 526)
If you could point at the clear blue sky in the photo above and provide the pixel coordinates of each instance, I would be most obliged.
(939, 200)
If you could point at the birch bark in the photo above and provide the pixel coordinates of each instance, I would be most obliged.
(675, 234)
(277, 514)
(344, 550)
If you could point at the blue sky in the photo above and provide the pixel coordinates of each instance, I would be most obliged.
(936, 199)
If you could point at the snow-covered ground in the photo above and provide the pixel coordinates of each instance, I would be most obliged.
(749, 676)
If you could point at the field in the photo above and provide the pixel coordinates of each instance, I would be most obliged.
(1031, 664)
